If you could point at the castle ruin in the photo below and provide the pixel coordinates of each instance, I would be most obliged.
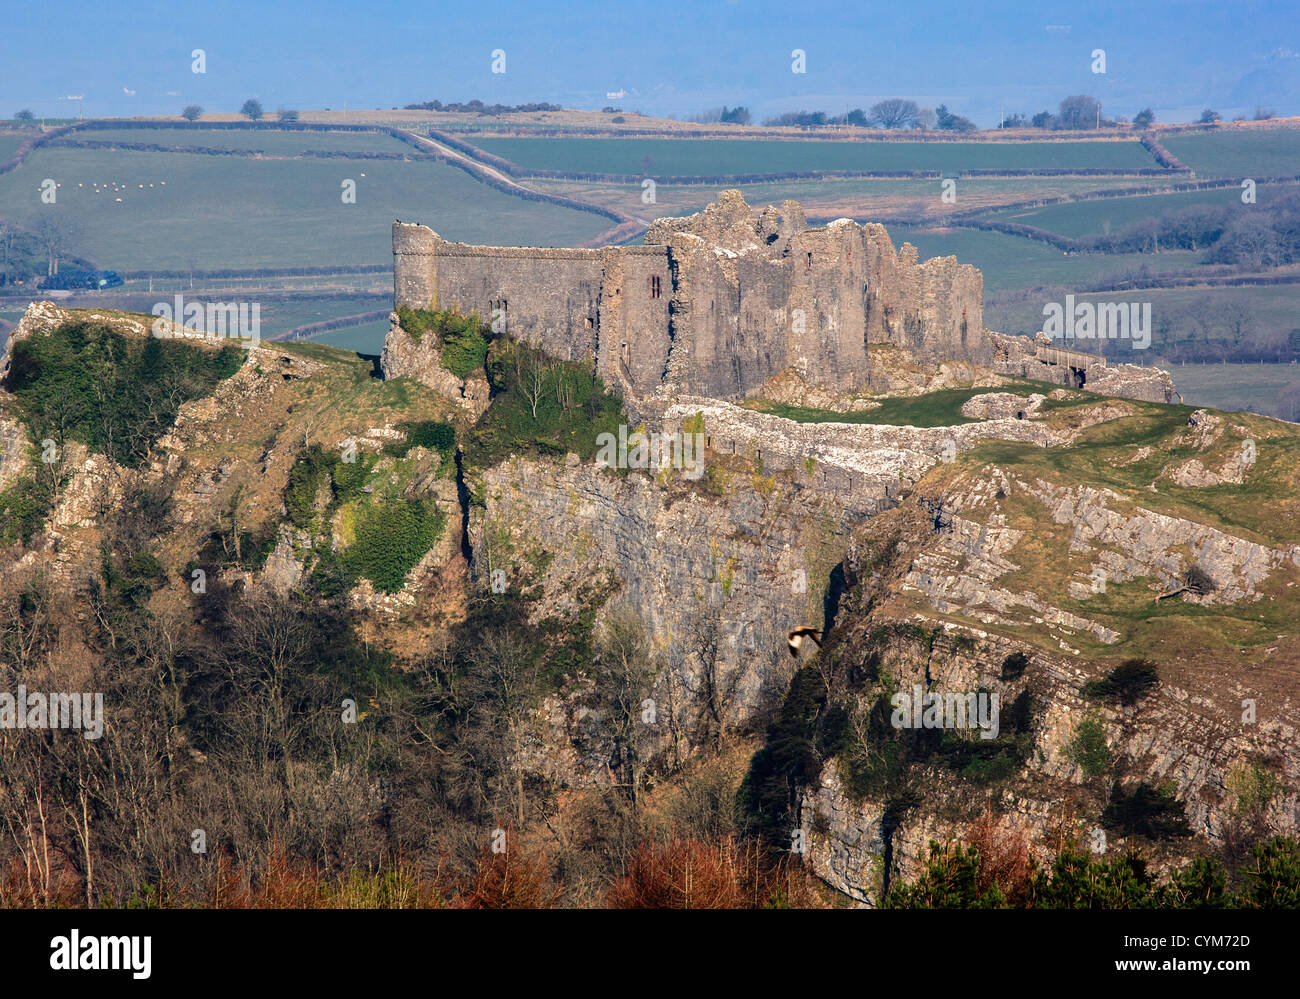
(713, 304)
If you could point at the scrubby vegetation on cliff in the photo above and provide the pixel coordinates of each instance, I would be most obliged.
(117, 395)
(463, 339)
(24, 505)
(540, 406)
(997, 873)
(385, 532)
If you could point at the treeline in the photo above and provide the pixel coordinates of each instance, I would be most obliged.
(996, 872)
(150, 147)
(1210, 329)
(724, 116)
(478, 107)
(1075, 113)
(1244, 237)
(1248, 237)
(1162, 155)
(888, 114)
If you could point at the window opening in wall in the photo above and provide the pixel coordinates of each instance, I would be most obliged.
(654, 285)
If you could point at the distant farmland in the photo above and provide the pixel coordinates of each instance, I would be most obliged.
(216, 212)
(711, 157)
(1177, 313)
(281, 143)
(10, 141)
(1089, 218)
(1253, 387)
(283, 209)
(1232, 152)
(1010, 262)
(864, 198)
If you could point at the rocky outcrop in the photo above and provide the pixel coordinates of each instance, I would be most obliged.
(421, 360)
(1045, 360)
(1182, 734)
(13, 451)
(718, 571)
(1001, 406)
(1134, 543)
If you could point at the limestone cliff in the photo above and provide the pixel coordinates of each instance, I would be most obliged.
(1026, 542)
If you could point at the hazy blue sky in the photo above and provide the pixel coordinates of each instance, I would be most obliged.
(671, 59)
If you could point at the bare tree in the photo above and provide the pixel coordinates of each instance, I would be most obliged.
(8, 233)
(625, 674)
(56, 232)
(267, 661)
(534, 385)
(1079, 111)
(499, 694)
(895, 113)
(714, 691)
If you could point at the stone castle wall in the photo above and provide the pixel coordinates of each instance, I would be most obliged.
(713, 304)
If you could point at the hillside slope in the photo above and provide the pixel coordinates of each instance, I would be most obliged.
(1030, 548)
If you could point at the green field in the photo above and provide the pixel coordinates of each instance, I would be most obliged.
(365, 339)
(863, 198)
(279, 316)
(709, 157)
(9, 143)
(931, 409)
(278, 143)
(1253, 387)
(1011, 262)
(1112, 215)
(1238, 152)
(238, 212)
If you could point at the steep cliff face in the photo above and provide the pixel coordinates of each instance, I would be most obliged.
(720, 567)
(1018, 578)
(933, 569)
(1029, 545)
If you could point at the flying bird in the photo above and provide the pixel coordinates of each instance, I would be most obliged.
(129, 93)
(796, 638)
